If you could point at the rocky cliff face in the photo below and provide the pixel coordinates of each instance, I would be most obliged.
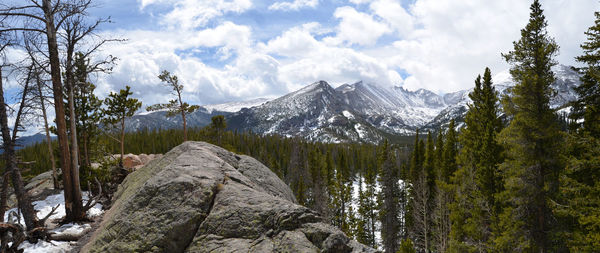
(201, 198)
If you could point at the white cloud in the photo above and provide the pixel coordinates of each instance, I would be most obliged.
(357, 2)
(308, 59)
(187, 14)
(148, 52)
(294, 6)
(453, 41)
(357, 27)
(394, 14)
(440, 44)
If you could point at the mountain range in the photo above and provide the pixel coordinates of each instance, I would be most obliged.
(358, 112)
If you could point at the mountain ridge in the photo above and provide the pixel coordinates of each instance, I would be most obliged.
(362, 112)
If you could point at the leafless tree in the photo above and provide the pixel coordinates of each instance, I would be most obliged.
(9, 142)
(76, 31)
(46, 17)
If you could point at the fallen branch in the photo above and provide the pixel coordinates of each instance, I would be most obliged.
(52, 212)
(93, 200)
(16, 238)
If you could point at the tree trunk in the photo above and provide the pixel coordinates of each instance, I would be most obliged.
(48, 139)
(24, 202)
(182, 116)
(86, 155)
(4, 195)
(73, 204)
(77, 209)
(122, 140)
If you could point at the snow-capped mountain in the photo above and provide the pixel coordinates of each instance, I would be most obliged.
(315, 112)
(566, 80)
(199, 118)
(235, 106)
(361, 111)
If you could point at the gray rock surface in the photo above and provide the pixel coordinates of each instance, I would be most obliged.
(39, 187)
(201, 198)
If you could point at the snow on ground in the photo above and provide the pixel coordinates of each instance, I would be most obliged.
(46, 247)
(44, 207)
(354, 204)
(348, 115)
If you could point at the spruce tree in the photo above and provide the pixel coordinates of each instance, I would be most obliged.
(580, 187)
(419, 212)
(586, 110)
(429, 162)
(388, 198)
(532, 141)
(317, 167)
(362, 232)
(477, 180)
(120, 106)
(370, 204)
(444, 192)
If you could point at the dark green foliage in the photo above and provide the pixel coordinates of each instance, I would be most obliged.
(120, 106)
(406, 246)
(580, 192)
(388, 197)
(367, 203)
(579, 206)
(532, 141)
(477, 181)
(175, 106)
(419, 211)
(449, 165)
(444, 192)
(586, 110)
(319, 199)
(218, 125)
(88, 115)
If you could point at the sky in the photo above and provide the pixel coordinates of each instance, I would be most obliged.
(235, 50)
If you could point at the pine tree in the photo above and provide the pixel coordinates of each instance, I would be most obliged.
(580, 187)
(417, 158)
(362, 232)
(477, 180)
(318, 167)
(87, 108)
(343, 211)
(586, 110)
(218, 125)
(120, 106)
(389, 207)
(429, 162)
(532, 141)
(444, 191)
(175, 106)
(420, 205)
(367, 204)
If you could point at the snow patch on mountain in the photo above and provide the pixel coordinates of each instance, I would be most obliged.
(235, 106)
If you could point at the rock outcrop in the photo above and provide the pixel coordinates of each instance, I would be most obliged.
(201, 198)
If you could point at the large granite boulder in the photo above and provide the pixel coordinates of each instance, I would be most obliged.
(201, 198)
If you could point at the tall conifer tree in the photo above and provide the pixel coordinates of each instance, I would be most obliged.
(388, 197)
(532, 141)
(580, 184)
(444, 192)
(477, 180)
